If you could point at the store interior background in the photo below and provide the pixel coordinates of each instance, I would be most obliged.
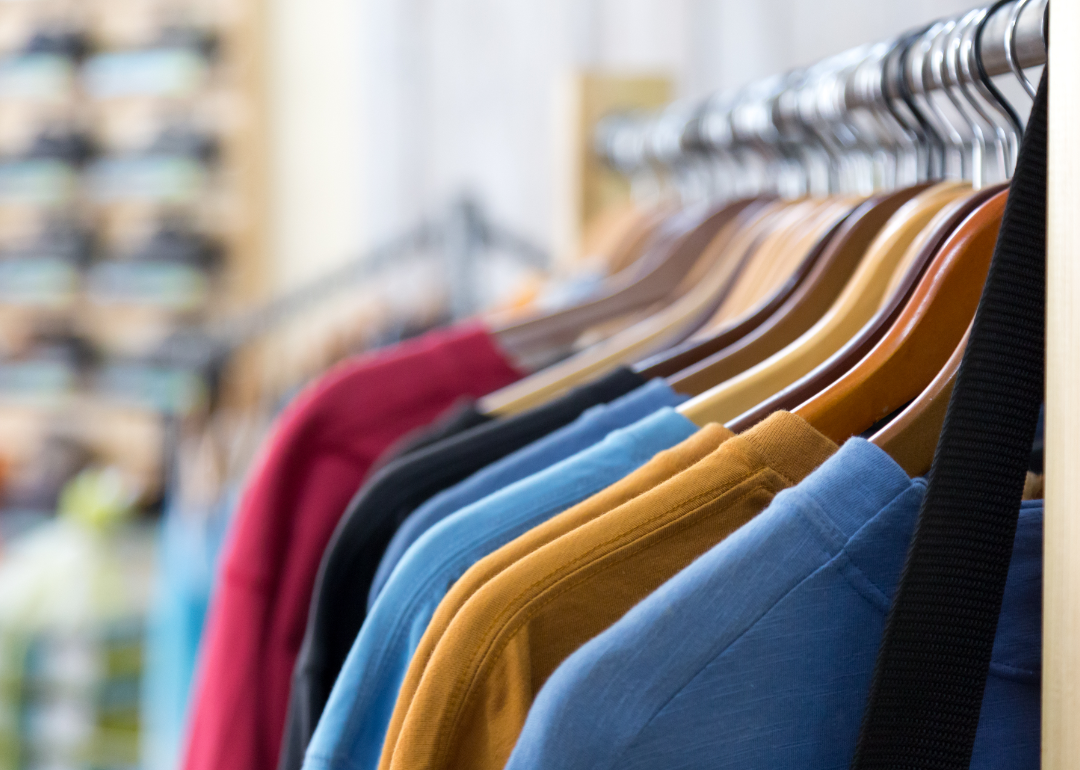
(284, 139)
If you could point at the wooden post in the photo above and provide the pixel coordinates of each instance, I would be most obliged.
(587, 186)
(247, 156)
(1061, 575)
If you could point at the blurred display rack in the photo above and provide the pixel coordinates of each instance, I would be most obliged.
(132, 203)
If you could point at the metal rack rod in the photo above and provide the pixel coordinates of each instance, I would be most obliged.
(628, 142)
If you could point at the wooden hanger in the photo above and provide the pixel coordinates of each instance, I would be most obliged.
(856, 305)
(922, 340)
(671, 253)
(750, 224)
(647, 249)
(856, 348)
(665, 327)
(803, 308)
(679, 357)
(631, 251)
(776, 268)
(619, 236)
(793, 216)
(614, 240)
(777, 258)
(911, 437)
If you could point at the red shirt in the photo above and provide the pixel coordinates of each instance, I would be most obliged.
(319, 452)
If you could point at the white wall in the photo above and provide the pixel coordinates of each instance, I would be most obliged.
(385, 108)
(317, 133)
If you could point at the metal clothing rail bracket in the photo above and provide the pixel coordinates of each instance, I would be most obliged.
(460, 237)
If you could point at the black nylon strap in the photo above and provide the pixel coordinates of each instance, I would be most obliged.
(932, 666)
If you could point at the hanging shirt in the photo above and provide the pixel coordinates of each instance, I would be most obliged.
(460, 417)
(321, 448)
(658, 470)
(354, 723)
(187, 555)
(515, 630)
(592, 426)
(344, 579)
(760, 654)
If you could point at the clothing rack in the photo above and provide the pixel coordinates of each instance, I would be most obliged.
(826, 103)
(817, 104)
(458, 239)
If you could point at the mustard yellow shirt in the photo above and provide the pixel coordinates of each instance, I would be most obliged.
(516, 628)
(662, 467)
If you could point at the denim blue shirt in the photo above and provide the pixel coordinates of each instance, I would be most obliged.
(593, 425)
(353, 725)
(761, 652)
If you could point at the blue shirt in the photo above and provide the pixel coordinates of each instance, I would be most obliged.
(761, 652)
(353, 725)
(188, 548)
(590, 427)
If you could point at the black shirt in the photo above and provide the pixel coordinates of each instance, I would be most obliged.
(339, 603)
(459, 418)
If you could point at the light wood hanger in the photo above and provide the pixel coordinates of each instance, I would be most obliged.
(778, 257)
(681, 356)
(803, 308)
(856, 348)
(619, 244)
(856, 305)
(619, 238)
(758, 230)
(921, 341)
(911, 437)
(669, 325)
(599, 332)
(672, 251)
(631, 253)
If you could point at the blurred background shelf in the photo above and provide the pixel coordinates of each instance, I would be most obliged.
(127, 209)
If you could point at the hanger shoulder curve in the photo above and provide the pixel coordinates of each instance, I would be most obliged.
(778, 257)
(803, 308)
(851, 310)
(672, 250)
(689, 352)
(622, 244)
(855, 349)
(668, 325)
(911, 437)
(921, 340)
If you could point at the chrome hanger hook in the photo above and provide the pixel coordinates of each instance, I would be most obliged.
(997, 97)
(935, 144)
(931, 145)
(917, 140)
(973, 88)
(931, 71)
(895, 140)
(1010, 47)
(953, 49)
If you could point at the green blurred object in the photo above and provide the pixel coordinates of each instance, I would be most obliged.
(73, 598)
(98, 498)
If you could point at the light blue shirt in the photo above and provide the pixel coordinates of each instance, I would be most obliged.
(586, 430)
(761, 652)
(353, 725)
(188, 549)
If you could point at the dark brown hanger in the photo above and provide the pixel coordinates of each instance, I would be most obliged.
(923, 338)
(806, 304)
(672, 252)
(854, 351)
